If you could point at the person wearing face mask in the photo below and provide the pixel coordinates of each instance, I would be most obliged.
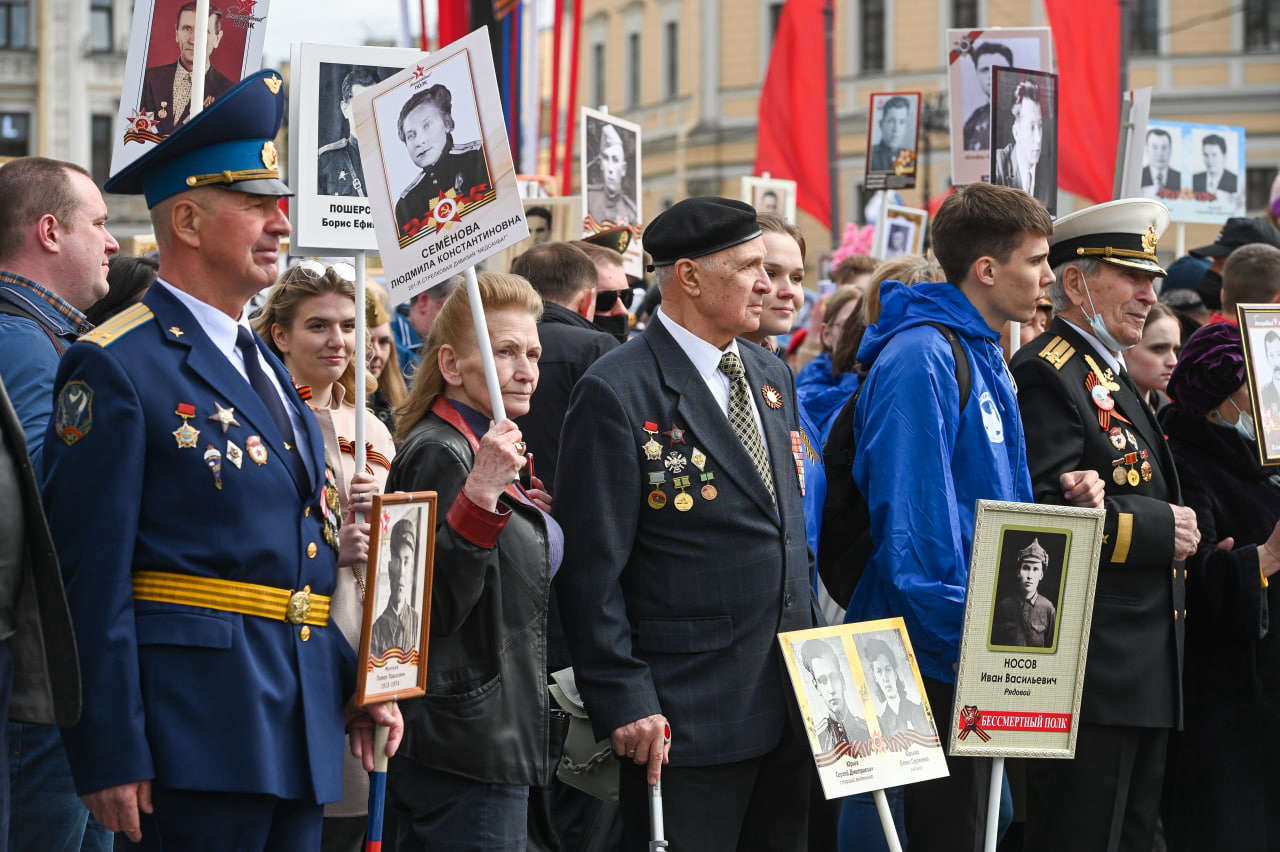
(1220, 788)
(1082, 410)
(613, 290)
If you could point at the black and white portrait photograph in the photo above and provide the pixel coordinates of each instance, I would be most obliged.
(898, 704)
(1162, 159)
(1029, 585)
(326, 171)
(611, 171)
(771, 195)
(835, 712)
(1212, 157)
(893, 125)
(901, 232)
(397, 593)
(1025, 111)
(971, 59)
(1197, 170)
(1261, 325)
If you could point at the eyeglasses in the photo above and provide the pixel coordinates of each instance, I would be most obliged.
(316, 269)
(606, 299)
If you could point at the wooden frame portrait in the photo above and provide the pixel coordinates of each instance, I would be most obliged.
(1260, 332)
(1028, 612)
(397, 598)
(893, 137)
(901, 230)
(864, 706)
(771, 195)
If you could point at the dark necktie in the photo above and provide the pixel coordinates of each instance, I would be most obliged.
(743, 421)
(248, 347)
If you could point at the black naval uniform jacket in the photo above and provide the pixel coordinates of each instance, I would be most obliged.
(461, 169)
(1134, 670)
(339, 171)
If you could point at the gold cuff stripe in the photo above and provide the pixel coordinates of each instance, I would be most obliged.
(1124, 537)
(118, 326)
(225, 596)
(233, 177)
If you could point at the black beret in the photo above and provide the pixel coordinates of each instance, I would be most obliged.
(697, 227)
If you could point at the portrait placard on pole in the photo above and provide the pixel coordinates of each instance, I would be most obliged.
(1197, 170)
(609, 177)
(893, 133)
(397, 598)
(156, 97)
(442, 185)
(330, 209)
(1135, 110)
(900, 230)
(771, 195)
(1024, 110)
(971, 54)
(863, 705)
(1260, 331)
(1026, 630)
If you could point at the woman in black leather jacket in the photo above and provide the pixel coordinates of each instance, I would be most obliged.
(480, 737)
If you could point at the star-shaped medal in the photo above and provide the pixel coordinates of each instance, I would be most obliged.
(226, 417)
(342, 174)
(675, 434)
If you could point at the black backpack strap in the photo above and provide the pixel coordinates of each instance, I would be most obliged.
(964, 376)
(13, 310)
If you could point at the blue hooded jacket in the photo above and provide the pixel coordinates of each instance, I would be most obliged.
(922, 464)
(822, 394)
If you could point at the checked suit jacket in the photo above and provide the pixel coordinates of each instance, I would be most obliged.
(669, 611)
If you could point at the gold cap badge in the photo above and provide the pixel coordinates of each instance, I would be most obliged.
(269, 156)
(274, 84)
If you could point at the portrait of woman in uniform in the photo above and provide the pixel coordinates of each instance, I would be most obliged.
(898, 704)
(1029, 589)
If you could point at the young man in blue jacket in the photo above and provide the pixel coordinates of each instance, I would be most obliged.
(925, 456)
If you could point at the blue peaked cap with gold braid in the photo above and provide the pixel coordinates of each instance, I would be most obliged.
(229, 144)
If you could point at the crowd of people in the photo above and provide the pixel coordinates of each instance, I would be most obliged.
(182, 580)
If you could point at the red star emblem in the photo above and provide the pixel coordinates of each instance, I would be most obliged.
(418, 72)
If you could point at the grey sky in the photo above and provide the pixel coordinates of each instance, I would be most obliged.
(333, 22)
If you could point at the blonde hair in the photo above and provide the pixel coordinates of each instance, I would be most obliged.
(453, 326)
(295, 286)
(910, 269)
(391, 380)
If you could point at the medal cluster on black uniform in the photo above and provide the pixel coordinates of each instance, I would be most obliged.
(685, 470)
(1134, 464)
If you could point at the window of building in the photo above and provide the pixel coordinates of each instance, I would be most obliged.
(671, 34)
(101, 38)
(633, 70)
(15, 134)
(964, 14)
(1262, 25)
(872, 36)
(14, 26)
(1144, 27)
(597, 74)
(1257, 187)
(100, 135)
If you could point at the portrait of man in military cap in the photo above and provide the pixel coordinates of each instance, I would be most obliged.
(1028, 586)
(612, 172)
(338, 167)
(398, 627)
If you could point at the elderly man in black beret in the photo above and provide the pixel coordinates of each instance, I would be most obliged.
(680, 494)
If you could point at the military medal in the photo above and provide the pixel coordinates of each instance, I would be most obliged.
(1117, 437)
(675, 434)
(257, 452)
(652, 449)
(1128, 433)
(708, 490)
(675, 462)
(213, 458)
(772, 398)
(1146, 471)
(1120, 474)
(331, 507)
(234, 454)
(1134, 479)
(188, 436)
(683, 501)
(1102, 397)
(657, 499)
(225, 417)
(698, 458)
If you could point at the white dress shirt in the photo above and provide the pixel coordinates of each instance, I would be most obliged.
(1114, 360)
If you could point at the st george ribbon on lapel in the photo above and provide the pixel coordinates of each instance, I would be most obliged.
(741, 419)
(262, 385)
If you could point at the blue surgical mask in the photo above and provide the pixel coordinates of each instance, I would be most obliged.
(1244, 424)
(1099, 326)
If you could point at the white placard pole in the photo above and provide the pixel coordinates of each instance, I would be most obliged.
(362, 365)
(499, 412)
(993, 803)
(886, 821)
(199, 62)
(1180, 240)
(1015, 337)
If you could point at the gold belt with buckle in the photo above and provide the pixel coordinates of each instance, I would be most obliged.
(296, 607)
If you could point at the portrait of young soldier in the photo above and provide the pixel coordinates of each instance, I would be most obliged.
(838, 725)
(398, 625)
(895, 127)
(610, 201)
(1024, 617)
(166, 89)
(1028, 162)
(977, 127)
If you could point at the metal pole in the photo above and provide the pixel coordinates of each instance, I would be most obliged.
(657, 832)
(886, 821)
(833, 169)
(554, 141)
(531, 111)
(199, 62)
(993, 803)
(499, 412)
(362, 363)
(571, 114)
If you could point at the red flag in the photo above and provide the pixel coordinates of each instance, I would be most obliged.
(454, 20)
(793, 109)
(1086, 39)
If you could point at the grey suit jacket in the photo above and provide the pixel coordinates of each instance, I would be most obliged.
(670, 611)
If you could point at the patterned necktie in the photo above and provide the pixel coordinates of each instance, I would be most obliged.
(742, 420)
(181, 92)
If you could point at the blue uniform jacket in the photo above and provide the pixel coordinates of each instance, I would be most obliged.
(195, 698)
(922, 464)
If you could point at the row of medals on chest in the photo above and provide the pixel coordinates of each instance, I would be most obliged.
(1125, 470)
(675, 461)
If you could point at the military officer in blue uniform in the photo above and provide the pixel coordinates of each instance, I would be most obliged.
(185, 487)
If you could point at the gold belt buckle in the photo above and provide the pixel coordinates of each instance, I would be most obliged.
(299, 606)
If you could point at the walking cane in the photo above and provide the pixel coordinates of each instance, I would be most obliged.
(657, 834)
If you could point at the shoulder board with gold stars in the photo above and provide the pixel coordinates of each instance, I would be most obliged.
(119, 325)
(1057, 352)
